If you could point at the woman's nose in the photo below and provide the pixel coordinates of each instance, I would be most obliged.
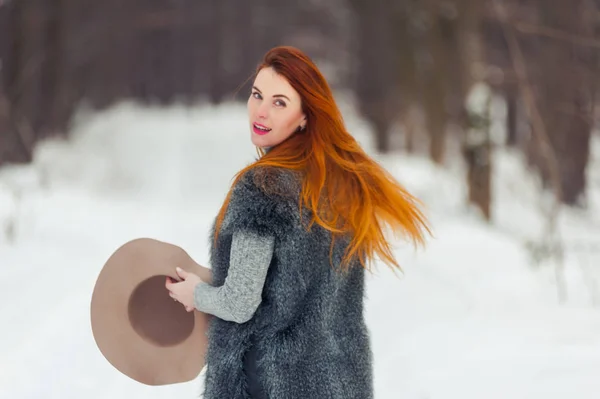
(263, 110)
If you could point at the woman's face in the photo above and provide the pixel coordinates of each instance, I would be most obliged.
(274, 109)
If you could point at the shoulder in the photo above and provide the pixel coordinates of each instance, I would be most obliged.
(273, 182)
(264, 200)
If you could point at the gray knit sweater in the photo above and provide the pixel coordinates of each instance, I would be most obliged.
(239, 297)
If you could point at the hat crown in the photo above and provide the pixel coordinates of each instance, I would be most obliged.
(156, 317)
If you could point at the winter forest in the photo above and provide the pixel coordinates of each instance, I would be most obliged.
(127, 119)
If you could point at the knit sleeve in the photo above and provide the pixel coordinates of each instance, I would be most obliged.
(240, 295)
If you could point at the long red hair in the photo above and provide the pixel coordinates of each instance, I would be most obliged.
(347, 191)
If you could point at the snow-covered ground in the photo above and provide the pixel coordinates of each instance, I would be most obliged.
(470, 317)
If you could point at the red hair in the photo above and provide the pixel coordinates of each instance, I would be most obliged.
(346, 190)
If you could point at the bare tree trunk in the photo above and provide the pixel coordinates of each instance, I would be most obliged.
(476, 143)
(409, 118)
(22, 81)
(406, 75)
(435, 90)
(6, 40)
(563, 72)
(247, 56)
(376, 80)
(477, 148)
(512, 114)
(58, 84)
(107, 66)
(216, 90)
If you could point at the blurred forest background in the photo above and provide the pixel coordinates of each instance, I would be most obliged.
(423, 72)
(487, 110)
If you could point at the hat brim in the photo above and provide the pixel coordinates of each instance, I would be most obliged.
(137, 326)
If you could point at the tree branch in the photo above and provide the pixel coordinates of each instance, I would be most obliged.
(557, 34)
(541, 135)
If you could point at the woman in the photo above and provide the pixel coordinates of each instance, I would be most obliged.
(290, 246)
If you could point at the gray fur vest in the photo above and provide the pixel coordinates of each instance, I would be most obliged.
(309, 330)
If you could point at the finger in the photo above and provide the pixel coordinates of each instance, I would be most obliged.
(181, 273)
(171, 281)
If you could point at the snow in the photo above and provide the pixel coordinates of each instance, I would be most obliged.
(471, 316)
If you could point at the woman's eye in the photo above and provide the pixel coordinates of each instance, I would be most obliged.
(256, 95)
(280, 103)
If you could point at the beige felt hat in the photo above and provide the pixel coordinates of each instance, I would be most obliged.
(137, 326)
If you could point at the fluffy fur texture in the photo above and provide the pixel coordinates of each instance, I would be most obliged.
(309, 330)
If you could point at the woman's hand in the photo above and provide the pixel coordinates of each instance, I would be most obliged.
(183, 291)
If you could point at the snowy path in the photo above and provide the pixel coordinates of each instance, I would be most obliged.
(468, 319)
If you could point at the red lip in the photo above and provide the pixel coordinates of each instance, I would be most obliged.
(259, 131)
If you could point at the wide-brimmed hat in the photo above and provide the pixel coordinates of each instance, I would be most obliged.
(137, 326)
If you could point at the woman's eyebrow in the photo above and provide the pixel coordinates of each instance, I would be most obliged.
(276, 95)
(281, 95)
